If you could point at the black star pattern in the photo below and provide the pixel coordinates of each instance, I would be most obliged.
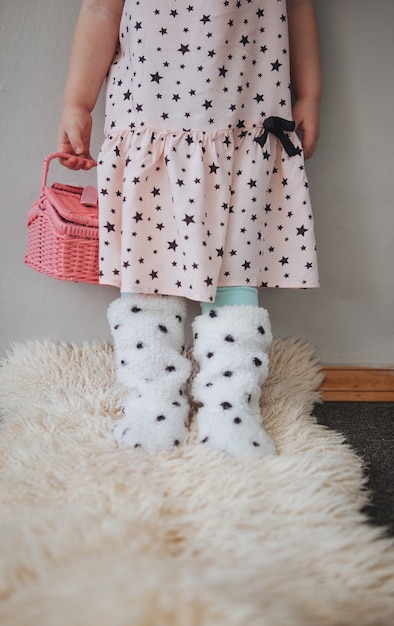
(156, 78)
(276, 65)
(184, 48)
(302, 230)
(110, 227)
(172, 245)
(188, 93)
(188, 219)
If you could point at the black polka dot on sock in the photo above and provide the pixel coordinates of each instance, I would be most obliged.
(256, 445)
(176, 442)
(195, 335)
(178, 317)
(261, 330)
(160, 418)
(248, 398)
(135, 309)
(116, 326)
(237, 420)
(170, 368)
(123, 362)
(213, 313)
(209, 385)
(163, 328)
(229, 338)
(257, 362)
(228, 374)
(137, 445)
(204, 440)
(140, 345)
(226, 405)
(209, 355)
(176, 404)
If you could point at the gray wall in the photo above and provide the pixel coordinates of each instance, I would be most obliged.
(350, 318)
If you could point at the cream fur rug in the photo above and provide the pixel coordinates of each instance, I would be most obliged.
(94, 535)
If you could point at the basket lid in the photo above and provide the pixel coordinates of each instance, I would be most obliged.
(66, 199)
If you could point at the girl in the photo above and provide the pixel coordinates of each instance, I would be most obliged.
(203, 196)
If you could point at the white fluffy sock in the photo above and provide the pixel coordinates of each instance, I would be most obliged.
(148, 333)
(230, 346)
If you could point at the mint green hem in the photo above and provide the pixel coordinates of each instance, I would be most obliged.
(228, 296)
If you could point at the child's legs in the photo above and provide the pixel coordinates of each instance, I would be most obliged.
(225, 296)
(231, 341)
(232, 295)
(126, 294)
(148, 334)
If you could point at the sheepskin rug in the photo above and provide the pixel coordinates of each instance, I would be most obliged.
(96, 535)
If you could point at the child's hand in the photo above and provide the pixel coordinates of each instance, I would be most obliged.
(306, 114)
(74, 138)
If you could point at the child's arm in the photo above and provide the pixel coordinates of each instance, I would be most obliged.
(94, 45)
(305, 71)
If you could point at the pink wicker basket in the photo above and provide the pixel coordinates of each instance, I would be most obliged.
(63, 231)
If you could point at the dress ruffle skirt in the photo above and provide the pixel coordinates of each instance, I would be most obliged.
(223, 201)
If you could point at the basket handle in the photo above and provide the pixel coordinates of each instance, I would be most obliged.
(48, 159)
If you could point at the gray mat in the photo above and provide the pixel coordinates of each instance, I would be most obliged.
(369, 429)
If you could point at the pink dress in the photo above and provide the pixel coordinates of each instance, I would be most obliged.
(201, 175)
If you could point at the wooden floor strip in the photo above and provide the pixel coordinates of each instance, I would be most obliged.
(357, 384)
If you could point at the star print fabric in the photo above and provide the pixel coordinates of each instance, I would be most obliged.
(189, 200)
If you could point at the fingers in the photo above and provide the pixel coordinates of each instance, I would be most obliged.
(75, 162)
(74, 139)
(78, 163)
(306, 117)
(309, 136)
(80, 157)
(309, 142)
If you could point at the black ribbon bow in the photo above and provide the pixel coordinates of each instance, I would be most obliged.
(278, 126)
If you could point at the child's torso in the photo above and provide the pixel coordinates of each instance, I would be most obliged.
(200, 64)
